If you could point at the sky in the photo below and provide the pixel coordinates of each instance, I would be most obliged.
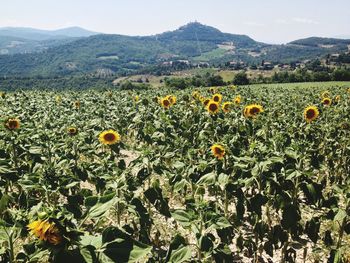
(270, 21)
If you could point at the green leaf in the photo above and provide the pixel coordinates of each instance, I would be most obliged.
(183, 217)
(208, 179)
(180, 255)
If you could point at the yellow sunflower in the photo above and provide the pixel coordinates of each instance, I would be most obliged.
(172, 99)
(326, 101)
(226, 107)
(217, 97)
(196, 94)
(252, 110)
(237, 100)
(218, 151)
(72, 131)
(58, 99)
(212, 90)
(325, 94)
(12, 124)
(311, 113)
(337, 98)
(46, 231)
(2, 94)
(212, 107)
(165, 103)
(205, 101)
(136, 98)
(77, 104)
(109, 137)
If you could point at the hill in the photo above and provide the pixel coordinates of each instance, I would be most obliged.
(119, 54)
(28, 40)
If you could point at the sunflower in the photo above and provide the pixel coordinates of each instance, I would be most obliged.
(218, 151)
(136, 98)
(252, 110)
(12, 124)
(109, 137)
(205, 101)
(217, 97)
(2, 95)
(311, 113)
(326, 101)
(226, 107)
(212, 90)
(325, 94)
(77, 104)
(46, 231)
(337, 98)
(196, 94)
(172, 99)
(165, 103)
(58, 99)
(237, 100)
(72, 131)
(212, 107)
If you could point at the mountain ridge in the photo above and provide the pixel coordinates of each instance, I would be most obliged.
(122, 54)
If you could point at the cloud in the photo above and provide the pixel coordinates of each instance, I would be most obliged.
(255, 24)
(303, 20)
(281, 21)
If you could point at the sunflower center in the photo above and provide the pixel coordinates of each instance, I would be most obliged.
(310, 114)
(218, 151)
(166, 103)
(12, 124)
(213, 107)
(110, 137)
(254, 110)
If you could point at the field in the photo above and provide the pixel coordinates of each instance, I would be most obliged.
(166, 175)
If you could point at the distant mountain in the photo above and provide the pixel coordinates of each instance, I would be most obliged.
(126, 54)
(28, 40)
(39, 34)
(322, 42)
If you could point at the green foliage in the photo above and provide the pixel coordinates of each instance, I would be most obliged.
(241, 78)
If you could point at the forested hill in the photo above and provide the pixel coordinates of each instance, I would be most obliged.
(110, 54)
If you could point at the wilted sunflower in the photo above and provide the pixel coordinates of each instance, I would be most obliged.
(72, 131)
(226, 107)
(165, 103)
(212, 107)
(311, 113)
(77, 104)
(109, 137)
(2, 94)
(12, 124)
(46, 231)
(217, 97)
(237, 100)
(218, 151)
(252, 110)
(326, 101)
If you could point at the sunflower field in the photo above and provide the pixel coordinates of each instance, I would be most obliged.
(223, 174)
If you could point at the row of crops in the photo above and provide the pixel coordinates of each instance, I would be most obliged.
(227, 174)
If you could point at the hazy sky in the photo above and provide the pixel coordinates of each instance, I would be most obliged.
(273, 21)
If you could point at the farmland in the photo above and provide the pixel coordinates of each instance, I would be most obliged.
(254, 173)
